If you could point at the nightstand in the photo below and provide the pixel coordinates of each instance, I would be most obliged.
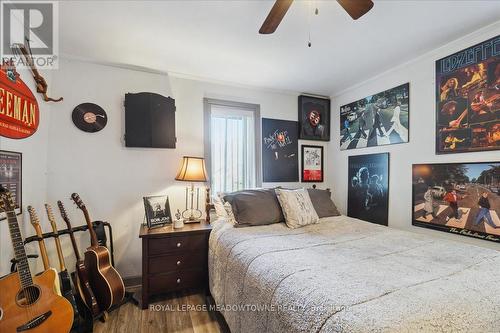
(174, 259)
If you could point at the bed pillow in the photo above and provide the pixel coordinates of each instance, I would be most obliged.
(297, 207)
(322, 202)
(255, 207)
(220, 210)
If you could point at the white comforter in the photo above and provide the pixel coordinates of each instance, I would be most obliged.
(346, 275)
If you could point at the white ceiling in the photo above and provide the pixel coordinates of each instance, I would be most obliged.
(219, 40)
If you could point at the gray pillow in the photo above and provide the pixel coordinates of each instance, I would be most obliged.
(322, 203)
(255, 207)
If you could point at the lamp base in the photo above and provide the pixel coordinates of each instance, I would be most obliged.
(187, 221)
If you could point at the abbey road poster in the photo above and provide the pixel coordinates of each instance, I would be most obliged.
(461, 198)
(376, 120)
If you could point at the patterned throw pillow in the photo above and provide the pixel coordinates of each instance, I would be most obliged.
(220, 211)
(297, 207)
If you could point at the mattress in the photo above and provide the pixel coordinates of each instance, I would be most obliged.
(347, 275)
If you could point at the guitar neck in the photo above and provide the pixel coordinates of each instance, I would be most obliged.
(41, 245)
(23, 267)
(93, 237)
(53, 224)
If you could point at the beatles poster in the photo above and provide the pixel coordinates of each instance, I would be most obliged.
(461, 198)
(314, 118)
(377, 120)
(11, 176)
(468, 99)
(368, 193)
(157, 210)
(312, 164)
(280, 161)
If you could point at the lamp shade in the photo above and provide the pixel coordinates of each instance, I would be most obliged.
(192, 169)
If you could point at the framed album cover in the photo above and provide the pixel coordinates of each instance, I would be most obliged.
(157, 211)
(468, 100)
(312, 164)
(280, 161)
(460, 198)
(11, 171)
(368, 193)
(314, 118)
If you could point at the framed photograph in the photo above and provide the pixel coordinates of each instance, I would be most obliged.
(461, 198)
(312, 164)
(280, 161)
(11, 172)
(314, 118)
(376, 120)
(468, 100)
(368, 192)
(157, 211)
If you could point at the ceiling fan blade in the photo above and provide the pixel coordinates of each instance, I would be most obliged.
(356, 8)
(275, 16)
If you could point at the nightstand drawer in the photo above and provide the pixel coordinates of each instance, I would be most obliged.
(177, 243)
(178, 262)
(176, 281)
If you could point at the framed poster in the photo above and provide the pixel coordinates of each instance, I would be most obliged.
(314, 118)
(461, 198)
(468, 99)
(368, 193)
(312, 164)
(280, 162)
(11, 171)
(376, 120)
(157, 210)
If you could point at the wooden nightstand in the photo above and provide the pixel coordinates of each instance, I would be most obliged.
(174, 259)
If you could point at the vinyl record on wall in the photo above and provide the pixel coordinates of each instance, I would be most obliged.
(89, 117)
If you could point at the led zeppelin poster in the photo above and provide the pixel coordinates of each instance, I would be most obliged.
(11, 176)
(280, 161)
(461, 198)
(468, 99)
(19, 113)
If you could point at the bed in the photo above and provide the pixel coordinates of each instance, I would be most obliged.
(347, 275)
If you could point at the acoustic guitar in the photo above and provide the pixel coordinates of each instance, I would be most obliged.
(82, 275)
(104, 279)
(43, 250)
(66, 289)
(28, 303)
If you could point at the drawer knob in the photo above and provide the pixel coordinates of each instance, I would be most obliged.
(178, 263)
(179, 244)
(178, 281)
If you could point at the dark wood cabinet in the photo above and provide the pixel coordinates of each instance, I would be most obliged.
(174, 259)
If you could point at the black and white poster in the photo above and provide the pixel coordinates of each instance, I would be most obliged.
(368, 194)
(280, 162)
(11, 176)
(157, 210)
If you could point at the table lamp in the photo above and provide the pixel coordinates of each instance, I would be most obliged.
(192, 170)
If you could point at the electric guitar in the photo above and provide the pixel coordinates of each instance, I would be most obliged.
(104, 279)
(43, 250)
(66, 289)
(82, 275)
(28, 303)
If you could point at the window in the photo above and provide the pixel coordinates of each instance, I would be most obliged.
(232, 130)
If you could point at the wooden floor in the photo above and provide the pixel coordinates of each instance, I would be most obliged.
(180, 312)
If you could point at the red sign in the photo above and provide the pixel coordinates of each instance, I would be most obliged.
(19, 114)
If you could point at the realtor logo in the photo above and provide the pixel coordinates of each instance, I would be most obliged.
(35, 21)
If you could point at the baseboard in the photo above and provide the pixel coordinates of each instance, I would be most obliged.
(132, 281)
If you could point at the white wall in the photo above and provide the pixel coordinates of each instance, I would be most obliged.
(420, 149)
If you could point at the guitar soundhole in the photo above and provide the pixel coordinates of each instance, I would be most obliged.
(28, 296)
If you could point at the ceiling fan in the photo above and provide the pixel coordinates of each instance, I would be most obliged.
(355, 8)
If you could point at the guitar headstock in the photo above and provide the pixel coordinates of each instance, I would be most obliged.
(7, 203)
(62, 210)
(51, 217)
(78, 201)
(33, 216)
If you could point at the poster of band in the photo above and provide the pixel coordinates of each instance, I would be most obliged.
(462, 198)
(314, 118)
(157, 210)
(280, 162)
(377, 120)
(368, 194)
(468, 99)
(312, 163)
(11, 177)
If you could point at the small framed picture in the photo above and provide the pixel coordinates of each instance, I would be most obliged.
(157, 211)
(11, 171)
(312, 164)
(314, 118)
